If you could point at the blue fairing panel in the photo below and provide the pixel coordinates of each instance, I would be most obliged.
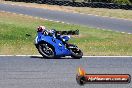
(60, 48)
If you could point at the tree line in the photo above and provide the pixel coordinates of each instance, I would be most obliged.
(104, 1)
(110, 1)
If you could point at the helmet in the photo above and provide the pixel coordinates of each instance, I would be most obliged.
(41, 28)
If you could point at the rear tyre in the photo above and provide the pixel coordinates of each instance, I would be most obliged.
(46, 50)
(76, 53)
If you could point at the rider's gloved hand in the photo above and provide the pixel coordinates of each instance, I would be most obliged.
(52, 32)
(45, 32)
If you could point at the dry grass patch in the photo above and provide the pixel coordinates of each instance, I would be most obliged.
(118, 13)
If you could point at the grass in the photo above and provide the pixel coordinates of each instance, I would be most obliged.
(13, 39)
(118, 13)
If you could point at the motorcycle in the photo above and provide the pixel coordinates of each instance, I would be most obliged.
(54, 45)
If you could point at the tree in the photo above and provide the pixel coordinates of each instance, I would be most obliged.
(73, 0)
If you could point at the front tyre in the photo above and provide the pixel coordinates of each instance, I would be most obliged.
(46, 50)
(76, 53)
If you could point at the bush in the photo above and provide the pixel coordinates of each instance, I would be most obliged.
(122, 1)
(112, 1)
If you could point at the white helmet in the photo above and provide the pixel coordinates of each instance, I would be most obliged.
(41, 28)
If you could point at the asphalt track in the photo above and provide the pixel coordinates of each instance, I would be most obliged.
(35, 72)
(73, 18)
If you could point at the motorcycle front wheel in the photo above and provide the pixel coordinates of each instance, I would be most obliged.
(46, 50)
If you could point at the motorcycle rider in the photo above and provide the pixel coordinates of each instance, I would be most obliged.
(51, 32)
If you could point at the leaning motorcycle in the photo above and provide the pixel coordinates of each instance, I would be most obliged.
(52, 45)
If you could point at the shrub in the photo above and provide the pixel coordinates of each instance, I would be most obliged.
(122, 1)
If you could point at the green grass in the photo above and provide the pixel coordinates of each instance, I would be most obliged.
(13, 39)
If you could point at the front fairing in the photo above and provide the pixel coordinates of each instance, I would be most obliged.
(38, 37)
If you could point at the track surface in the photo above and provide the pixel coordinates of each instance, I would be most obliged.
(74, 18)
(35, 72)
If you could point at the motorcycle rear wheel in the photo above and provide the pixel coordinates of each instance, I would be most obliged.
(76, 53)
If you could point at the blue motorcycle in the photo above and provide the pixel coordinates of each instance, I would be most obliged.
(54, 45)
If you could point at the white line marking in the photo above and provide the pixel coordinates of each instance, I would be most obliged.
(123, 32)
(35, 17)
(41, 18)
(68, 23)
(14, 13)
(8, 12)
(5, 55)
(50, 20)
(57, 21)
(107, 56)
(129, 33)
(41, 56)
(21, 14)
(109, 30)
(45, 19)
(20, 55)
(104, 29)
(12, 4)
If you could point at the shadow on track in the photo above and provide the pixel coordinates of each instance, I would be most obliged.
(40, 57)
